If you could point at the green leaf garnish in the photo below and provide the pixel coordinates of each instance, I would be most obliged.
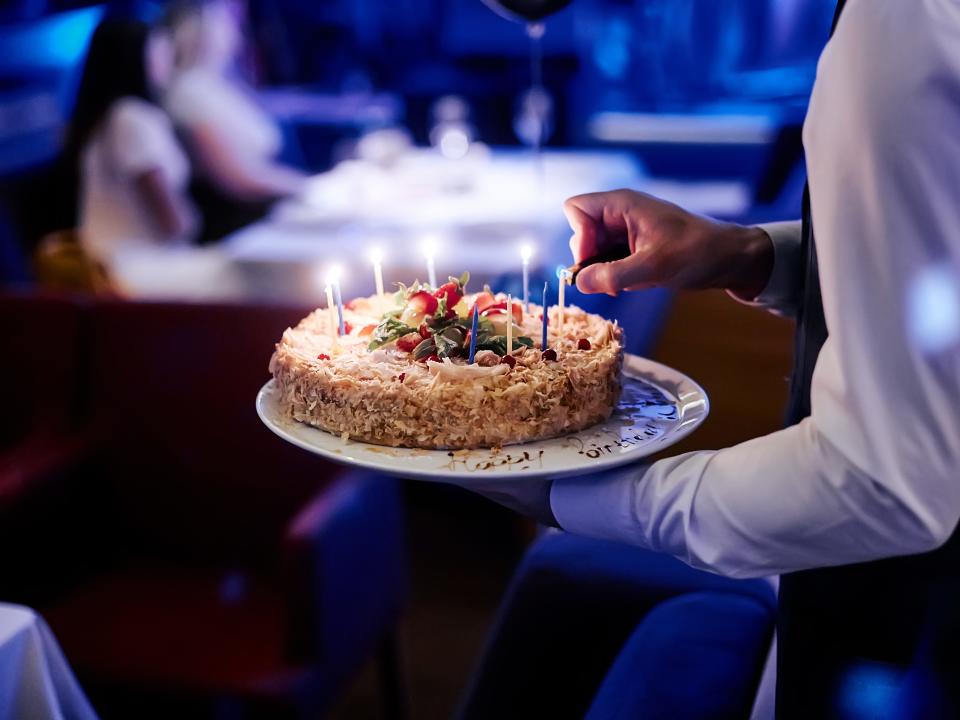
(426, 348)
(389, 329)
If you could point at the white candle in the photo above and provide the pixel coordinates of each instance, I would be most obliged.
(509, 324)
(429, 248)
(525, 253)
(331, 310)
(564, 276)
(376, 257)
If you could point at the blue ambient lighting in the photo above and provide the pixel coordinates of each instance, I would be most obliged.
(871, 691)
(933, 308)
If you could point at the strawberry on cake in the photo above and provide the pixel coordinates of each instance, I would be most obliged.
(400, 374)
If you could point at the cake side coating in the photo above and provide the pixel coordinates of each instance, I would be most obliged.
(385, 397)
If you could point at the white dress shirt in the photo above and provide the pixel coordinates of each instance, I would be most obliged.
(874, 472)
(136, 137)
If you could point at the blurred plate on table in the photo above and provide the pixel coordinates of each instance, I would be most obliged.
(659, 407)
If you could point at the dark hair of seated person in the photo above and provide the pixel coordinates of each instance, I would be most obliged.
(115, 68)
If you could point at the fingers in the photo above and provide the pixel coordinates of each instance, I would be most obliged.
(599, 220)
(612, 277)
(587, 231)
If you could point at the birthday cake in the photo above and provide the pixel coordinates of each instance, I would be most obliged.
(397, 369)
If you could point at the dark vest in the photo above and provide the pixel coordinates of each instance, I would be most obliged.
(880, 634)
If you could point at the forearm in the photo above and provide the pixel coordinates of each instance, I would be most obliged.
(788, 501)
(167, 209)
(245, 178)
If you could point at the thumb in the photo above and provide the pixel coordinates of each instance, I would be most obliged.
(611, 277)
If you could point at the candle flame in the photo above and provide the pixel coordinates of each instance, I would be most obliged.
(333, 275)
(526, 252)
(428, 246)
(376, 255)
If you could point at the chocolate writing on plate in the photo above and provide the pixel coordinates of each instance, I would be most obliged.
(609, 442)
(473, 462)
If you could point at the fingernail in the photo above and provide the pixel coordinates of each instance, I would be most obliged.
(586, 282)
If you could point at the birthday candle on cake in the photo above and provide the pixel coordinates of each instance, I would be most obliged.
(330, 309)
(429, 247)
(525, 253)
(509, 324)
(473, 335)
(543, 342)
(335, 281)
(562, 274)
(376, 257)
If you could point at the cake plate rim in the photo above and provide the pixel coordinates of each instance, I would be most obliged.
(578, 453)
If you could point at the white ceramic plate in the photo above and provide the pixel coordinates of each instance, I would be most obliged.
(659, 407)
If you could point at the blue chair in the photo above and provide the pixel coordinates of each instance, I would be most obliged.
(696, 657)
(573, 603)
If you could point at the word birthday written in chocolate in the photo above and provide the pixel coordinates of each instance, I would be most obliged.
(611, 442)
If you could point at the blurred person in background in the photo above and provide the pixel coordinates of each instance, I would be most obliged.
(130, 170)
(233, 142)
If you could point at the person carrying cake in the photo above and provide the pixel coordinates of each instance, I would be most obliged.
(854, 504)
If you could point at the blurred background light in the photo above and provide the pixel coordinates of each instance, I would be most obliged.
(871, 691)
(933, 308)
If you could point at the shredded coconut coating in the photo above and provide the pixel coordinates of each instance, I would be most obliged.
(388, 398)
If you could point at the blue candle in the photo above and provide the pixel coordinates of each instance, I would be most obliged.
(473, 335)
(543, 342)
(339, 301)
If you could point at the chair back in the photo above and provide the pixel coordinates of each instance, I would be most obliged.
(195, 472)
(41, 365)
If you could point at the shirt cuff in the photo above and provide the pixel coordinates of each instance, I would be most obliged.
(598, 505)
(782, 290)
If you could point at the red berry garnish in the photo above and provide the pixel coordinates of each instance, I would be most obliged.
(422, 302)
(500, 308)
(434, 357)
(550, 355)
(451, 291)
(401, 377)
(424, 331)
(347, 328)
(583, 344)
(408, 342)
(482, 302)
(508, 360)
(323, 356)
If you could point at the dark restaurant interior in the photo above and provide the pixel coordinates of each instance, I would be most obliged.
(179, 182)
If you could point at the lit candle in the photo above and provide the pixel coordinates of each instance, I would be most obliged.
(473, 335)
(509, 324)
(335, 282)
(543, 341)
(563, 275)
(429, 248)
(330, 309)
(376, 257)
(525, 253)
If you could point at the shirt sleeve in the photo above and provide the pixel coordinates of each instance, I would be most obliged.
(782, 292)
(138, 137)
(873, 472)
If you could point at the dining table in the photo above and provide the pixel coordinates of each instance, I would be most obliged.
(36, 682)
(472, 213)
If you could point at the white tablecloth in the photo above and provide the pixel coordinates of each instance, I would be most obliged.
(479, 210)
(35, 681)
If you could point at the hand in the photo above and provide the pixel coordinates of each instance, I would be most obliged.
(669, 247)
(527, 496)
